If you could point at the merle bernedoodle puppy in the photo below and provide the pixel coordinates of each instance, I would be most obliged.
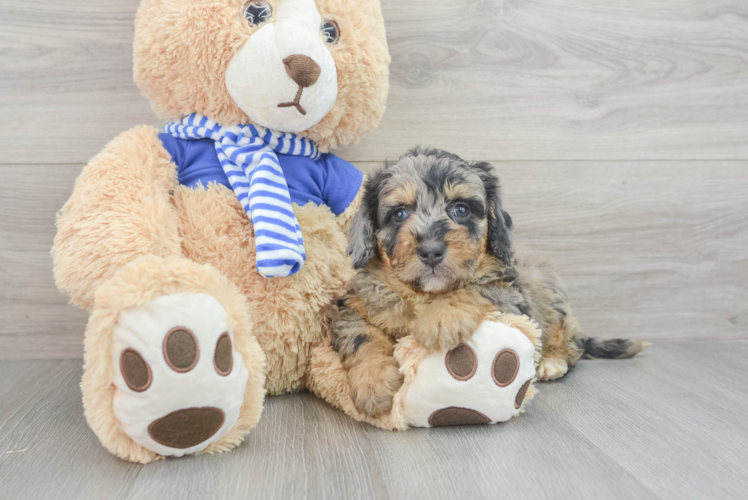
(433, 246)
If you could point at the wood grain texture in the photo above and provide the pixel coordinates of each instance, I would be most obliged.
(667, 424)
(500, 79)
(37, 321)
(648, 249)
(548, 79)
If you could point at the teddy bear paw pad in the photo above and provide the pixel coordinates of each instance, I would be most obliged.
(179, 381)
(482, 381)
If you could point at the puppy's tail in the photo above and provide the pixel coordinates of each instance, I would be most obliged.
(595, 347)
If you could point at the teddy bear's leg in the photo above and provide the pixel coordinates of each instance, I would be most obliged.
(171, 365)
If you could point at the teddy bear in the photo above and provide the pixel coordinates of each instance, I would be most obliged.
(205, 288)
(208, 253)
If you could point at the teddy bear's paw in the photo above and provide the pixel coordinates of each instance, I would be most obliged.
(179, 381)
(482, 381)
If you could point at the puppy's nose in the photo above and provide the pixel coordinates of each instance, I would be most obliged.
(431, 253)
(302, 69)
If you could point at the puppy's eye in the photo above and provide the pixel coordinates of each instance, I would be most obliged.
(400, 215)
(460, 211)
(330, 31)
(257, 12)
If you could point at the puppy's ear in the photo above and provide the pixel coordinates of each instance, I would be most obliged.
(361, 240)
(362, 237)
(499, 222)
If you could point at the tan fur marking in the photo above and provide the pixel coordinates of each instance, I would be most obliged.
(402, 195)
(455, 190)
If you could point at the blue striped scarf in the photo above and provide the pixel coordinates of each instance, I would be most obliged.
(248, 156)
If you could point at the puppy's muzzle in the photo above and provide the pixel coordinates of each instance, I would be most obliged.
(432, 253)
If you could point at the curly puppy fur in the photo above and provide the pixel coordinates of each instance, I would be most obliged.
(434, 251)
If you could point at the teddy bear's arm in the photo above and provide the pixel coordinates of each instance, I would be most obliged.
(120, 209)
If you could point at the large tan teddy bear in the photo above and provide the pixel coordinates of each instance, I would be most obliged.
(196, 312)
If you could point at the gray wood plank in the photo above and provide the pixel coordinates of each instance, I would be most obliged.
(302, 448)
(540, 79)
(37, 321)
(66, 65)
(675, 417)
(46, 448)
(502, 79)
(648, 249)
(309, 450)
(668, 424)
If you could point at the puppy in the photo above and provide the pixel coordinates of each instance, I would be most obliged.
(434, 251)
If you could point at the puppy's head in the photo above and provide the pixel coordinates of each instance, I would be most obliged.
(430, 218)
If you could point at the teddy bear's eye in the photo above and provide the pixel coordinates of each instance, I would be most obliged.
(330, 31)
(257, 12)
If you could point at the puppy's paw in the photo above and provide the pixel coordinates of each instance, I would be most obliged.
(552, 368)
(373, 386)
(444, 331)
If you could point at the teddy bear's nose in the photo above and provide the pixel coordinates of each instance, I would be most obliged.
(302, 69)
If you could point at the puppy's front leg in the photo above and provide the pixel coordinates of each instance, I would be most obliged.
(448, 321)
(367, 356)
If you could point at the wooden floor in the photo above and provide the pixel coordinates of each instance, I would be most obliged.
(669, 424)
(620, 130)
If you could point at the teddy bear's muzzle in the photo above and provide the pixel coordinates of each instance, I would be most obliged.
(285, 64)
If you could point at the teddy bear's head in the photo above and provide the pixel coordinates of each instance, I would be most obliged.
(319, 69)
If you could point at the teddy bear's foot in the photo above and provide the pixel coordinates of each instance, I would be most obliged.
(171, 365)
(482, 381)
(180, 383)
